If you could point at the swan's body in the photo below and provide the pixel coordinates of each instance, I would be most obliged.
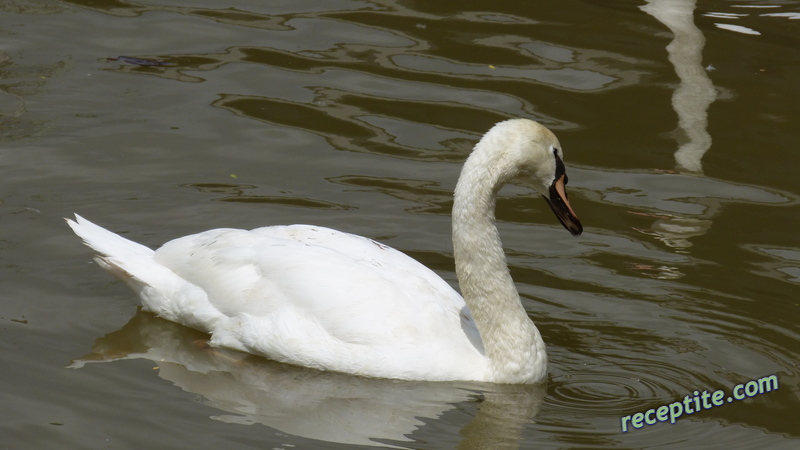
(320, 298)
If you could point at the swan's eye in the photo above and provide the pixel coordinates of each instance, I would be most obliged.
(560, 169)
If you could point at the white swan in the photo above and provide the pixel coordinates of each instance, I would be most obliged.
(320, 298)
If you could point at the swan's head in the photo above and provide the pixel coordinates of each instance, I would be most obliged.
(535, 159)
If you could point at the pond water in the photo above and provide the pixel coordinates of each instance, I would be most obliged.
(160, 118)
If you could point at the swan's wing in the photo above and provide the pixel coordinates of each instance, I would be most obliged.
(237, 267)
(322, 298)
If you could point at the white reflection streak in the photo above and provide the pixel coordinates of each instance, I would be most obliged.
(695, 92)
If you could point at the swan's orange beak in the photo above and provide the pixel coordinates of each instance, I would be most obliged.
(559, 203)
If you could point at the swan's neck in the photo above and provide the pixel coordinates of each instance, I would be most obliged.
(511, 341)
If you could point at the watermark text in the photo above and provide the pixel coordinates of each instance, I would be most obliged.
(699, 402)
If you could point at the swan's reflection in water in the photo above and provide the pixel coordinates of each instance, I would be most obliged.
(318, 405)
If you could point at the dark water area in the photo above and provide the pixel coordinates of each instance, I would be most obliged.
(163, 118)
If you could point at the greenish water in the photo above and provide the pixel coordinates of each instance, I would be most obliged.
(678, 123)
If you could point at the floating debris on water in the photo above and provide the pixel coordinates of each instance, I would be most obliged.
(140, 61)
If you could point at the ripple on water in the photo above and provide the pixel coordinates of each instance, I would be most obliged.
(610, 392)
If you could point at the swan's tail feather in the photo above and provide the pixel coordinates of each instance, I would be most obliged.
(162, 291)
(105, 242)
(121, 257)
